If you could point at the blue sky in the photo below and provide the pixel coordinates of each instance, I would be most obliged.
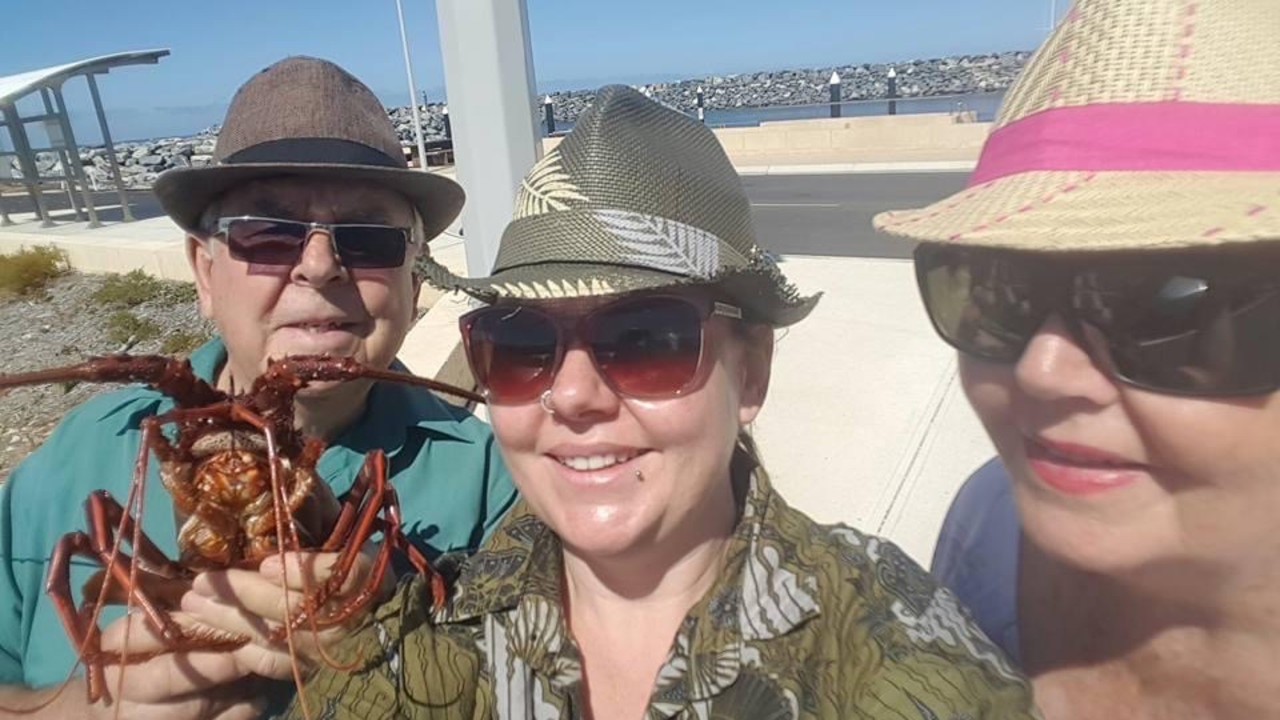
(576, 43)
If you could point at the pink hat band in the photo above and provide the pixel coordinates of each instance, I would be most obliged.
(1127, 137)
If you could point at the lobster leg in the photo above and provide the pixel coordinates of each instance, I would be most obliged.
(394, 534)
(355, 524)
(150, 573)
(183, 496)
(371, 505)
(355, 502)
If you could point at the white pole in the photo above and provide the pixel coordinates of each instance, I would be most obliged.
(413, 92)
(1053, 14)
(488, 71)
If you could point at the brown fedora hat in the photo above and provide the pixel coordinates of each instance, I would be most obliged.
(306, 116)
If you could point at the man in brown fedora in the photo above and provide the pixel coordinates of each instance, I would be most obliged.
(303, 237)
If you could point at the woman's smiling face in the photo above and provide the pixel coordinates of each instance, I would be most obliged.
(1113, 478)
(609, 473)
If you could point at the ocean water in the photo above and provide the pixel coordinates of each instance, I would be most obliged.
(984, 104)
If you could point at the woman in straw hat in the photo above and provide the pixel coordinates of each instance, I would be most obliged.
(651, 570)
(1110, 278)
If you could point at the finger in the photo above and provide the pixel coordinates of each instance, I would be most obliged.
(248, 587)
(259, 593)
(235, 616)
(249, 592)
(229, 584)
(171, 677)
(274, 663)
(322, 567)
(304, 571)
(244, 699)
(135, 634)
(262, 632)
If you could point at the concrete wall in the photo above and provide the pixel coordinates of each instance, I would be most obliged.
(882, 138)
(100, 254)
(107, 250)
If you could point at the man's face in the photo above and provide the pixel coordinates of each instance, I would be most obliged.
(316, 305)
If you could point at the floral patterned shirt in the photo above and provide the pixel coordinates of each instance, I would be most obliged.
(804, 621)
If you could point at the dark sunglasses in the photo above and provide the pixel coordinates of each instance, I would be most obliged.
(272, 241)
(1196, 322)
(649, 346)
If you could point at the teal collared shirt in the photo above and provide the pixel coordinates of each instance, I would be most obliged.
(443, 462)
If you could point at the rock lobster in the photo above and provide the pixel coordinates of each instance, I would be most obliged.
(243, 482)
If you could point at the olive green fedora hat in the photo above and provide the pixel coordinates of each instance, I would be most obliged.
(636, 197)
(307, 116)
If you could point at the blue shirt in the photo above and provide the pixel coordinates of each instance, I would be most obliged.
(443, 462)
(977, 554)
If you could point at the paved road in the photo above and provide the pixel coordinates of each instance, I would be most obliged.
(799, 214)
(831, 214)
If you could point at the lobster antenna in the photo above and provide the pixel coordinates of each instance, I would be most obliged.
(283, 521)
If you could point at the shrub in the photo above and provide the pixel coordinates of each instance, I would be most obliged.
(125, 328)
(136, 287)
(182, 342)
(179, 293)
(26, 272)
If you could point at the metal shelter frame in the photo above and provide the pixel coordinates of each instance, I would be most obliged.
(48, 83)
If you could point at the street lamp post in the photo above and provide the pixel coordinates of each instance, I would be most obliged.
(413, 91)
(893, 91)
(834, 91)
(549, 115)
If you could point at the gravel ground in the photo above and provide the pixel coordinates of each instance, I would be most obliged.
(61, 327)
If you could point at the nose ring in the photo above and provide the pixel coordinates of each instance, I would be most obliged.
(545, 401)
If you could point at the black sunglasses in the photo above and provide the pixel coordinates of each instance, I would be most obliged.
(1196, 322)
(273, 241)
(646, 346)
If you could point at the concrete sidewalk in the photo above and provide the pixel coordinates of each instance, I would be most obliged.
(865, 422)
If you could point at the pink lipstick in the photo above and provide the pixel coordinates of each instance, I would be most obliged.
(1080, 470)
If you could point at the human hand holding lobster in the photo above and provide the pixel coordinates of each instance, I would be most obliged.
(184, 685)
(252, 604)
(232, 684)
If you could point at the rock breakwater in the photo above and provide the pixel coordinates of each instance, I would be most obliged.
(141, 162)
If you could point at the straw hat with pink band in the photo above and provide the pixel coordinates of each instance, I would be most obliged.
(1139, 124)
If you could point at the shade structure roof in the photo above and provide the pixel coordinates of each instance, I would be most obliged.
(13, 87)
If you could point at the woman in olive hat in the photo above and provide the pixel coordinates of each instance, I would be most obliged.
(651, 570)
